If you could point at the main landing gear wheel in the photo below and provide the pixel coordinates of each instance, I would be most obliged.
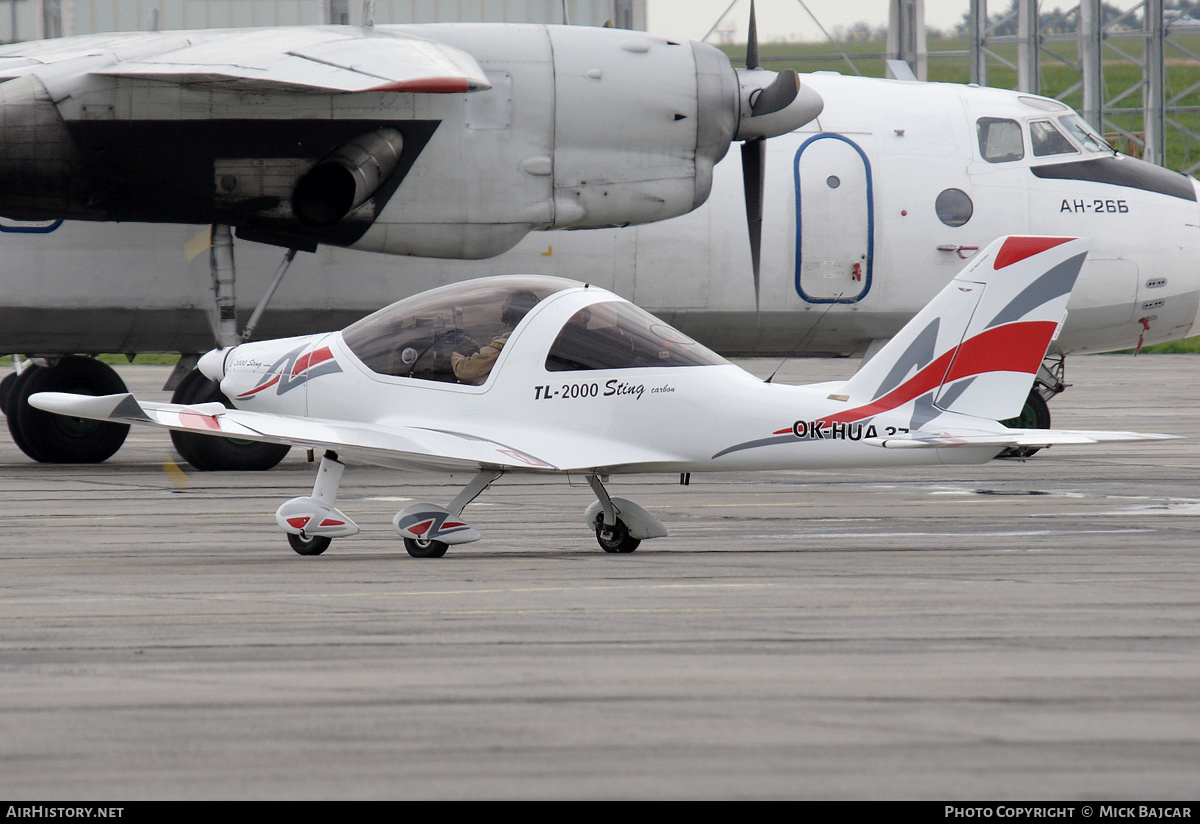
(419, 548)
(208, 453)
(305, 545)
(615, 538)
(53, 438)
(5, 387)
(1034, 415)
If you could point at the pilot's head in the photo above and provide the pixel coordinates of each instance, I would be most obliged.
(517, 306)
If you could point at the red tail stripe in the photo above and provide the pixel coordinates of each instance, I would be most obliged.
(1003, 350)
(1016, 249)
(1009, 348)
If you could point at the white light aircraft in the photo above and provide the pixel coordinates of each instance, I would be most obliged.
(533, 374)
(868, 210)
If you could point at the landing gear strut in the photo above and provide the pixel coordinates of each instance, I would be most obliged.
(313, 522)
(209, 453)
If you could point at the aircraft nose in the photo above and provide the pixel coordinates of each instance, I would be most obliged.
(212, 363)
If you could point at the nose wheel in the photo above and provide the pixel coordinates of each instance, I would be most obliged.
(615, 538)
(620, 524)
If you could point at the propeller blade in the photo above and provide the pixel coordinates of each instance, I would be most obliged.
(752, 41)
(778, 95)
(754, 155)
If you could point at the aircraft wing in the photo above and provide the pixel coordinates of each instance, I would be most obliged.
(310, 59)
(1012, 438)
(407, 446)
(398, 445)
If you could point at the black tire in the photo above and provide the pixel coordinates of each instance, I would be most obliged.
(1034, 415)
(59, 438)
(6, 384)
(425, 549)
(305, 545)
(615, 538)
(14, 426)
(211, 454)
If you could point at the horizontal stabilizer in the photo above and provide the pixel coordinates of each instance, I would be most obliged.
(1033, 438)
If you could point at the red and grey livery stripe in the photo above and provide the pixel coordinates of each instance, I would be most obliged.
(303, 368)
(431, 525)
(302, 522)
(1014, 347)
(1006, 344)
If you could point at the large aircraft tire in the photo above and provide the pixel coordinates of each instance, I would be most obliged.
(211, 454)
(53, 438)
(14, 427)
(1034, 415)
(6, 385)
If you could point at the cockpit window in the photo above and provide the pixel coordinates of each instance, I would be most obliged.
(1000, 139)
(1048, 140)
(426, 336)
(1082, 131)
(618, 335)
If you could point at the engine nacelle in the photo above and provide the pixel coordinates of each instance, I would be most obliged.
(490, 132)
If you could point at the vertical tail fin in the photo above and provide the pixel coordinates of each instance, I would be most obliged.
(976, 347)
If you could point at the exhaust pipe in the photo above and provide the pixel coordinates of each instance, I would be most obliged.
(345, 179)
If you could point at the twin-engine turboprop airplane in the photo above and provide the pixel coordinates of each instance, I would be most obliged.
(535, 374)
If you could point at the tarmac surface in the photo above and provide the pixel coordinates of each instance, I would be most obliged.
(1012, 631)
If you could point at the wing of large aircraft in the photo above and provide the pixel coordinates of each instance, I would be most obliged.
(312, 59)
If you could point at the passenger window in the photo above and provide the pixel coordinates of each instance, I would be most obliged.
(1000, 139)
(954, 207)
(1048, 140)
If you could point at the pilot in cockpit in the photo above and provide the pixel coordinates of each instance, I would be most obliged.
(474, 368)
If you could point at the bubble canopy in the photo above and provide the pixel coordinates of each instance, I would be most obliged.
(419, 336)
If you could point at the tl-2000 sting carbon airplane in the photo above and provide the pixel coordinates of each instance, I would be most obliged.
(534, 374)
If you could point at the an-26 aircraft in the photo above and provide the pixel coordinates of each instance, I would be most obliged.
(536, 374)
